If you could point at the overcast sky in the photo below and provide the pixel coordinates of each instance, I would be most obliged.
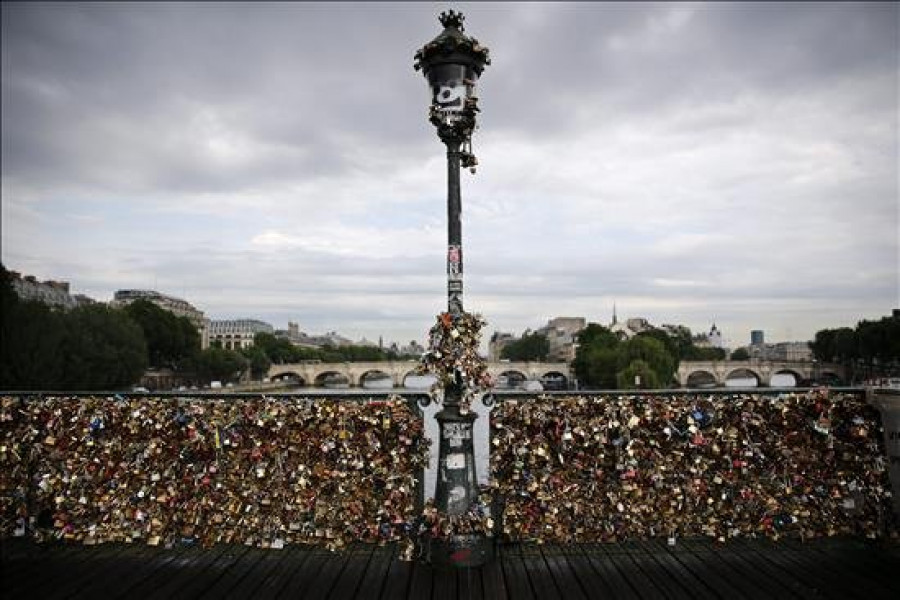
(691, 163)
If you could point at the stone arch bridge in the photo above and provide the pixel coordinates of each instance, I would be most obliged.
(314, 373)
(696, 373)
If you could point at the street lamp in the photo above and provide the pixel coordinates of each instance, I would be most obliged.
(452, 63)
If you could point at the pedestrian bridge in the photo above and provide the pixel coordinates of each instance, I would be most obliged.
(314, 374)
(700, 373)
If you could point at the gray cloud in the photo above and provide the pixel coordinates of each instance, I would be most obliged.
(735, 162)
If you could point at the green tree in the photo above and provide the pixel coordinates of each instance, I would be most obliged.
(637, 375)
(740, 354)
(652, 352)
(671, 345)
(218, 364)
(531, 346)
(597, 335)
(823, 345)
(871, 349)
(170, 339)
(595, 367)
(704, 353)
(278, 350)
(31, 336)
(259, 362)
(103, 348)
(879, 341)
(596, 357)
(682, 341)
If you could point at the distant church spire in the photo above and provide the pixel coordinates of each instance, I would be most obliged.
(615, 320)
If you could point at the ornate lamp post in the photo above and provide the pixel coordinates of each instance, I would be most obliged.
(452, 63)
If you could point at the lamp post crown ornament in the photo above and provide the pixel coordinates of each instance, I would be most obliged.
(453, 44)
(452, 18)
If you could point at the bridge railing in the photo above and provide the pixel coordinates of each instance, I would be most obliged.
(611, 465)
(329, 467)
(264, 470)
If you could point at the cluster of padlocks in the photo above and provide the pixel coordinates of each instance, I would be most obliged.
(262, 472)
(605, 469)
(270, 472)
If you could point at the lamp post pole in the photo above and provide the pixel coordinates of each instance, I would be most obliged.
(452, 63)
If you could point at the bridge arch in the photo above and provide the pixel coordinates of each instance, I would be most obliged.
(373, 374)
(795, 373)
(513, 377)
(426, 381)
(323, 376)
(701, 378)
(291, 376)
(554, 380)
(743, 373)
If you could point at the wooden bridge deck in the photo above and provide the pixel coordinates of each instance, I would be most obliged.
(691, 569)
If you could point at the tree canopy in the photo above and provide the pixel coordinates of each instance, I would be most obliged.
(104, 349)
(87, 348)
(531, 346)
(170, 339)
(218, 364)
(740, 354)
(604, 361)
(872, 348)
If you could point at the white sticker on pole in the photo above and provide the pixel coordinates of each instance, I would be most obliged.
(456, 461)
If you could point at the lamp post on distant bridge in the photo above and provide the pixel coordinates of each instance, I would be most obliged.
(452, 63)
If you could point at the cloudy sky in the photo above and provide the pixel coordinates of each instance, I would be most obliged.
(691, 163)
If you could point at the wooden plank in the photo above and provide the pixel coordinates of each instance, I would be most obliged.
(122, 571)
(685, 582)
(294, 559)
(537, 571)
(493, 586)
(154, 563)
(254, 583)
(33, 563)
(300, 579)
(748, 568)
(197, 570)
(351, 577)
(767, 552)
(421, 580)
(582, 571)
(613, 578)
(468, 583)
(566, 582)
(444, 586)
(764, 573)
(59, 581)
(832, 575)
(374, 579)
(398, 578)
(631, 568)
(233, 576)
(870, 564)
(29, 561)
(515, 577)
(728, 577)
(318, 575)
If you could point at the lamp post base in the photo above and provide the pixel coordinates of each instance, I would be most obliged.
(461, 551)
(456, 493)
